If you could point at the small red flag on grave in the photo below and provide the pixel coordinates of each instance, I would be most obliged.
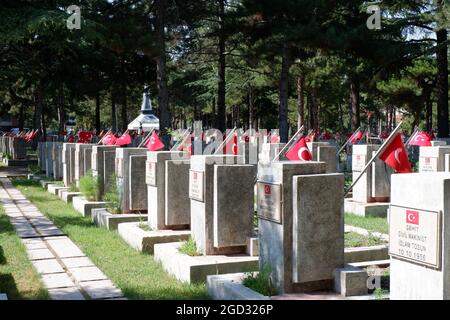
(31, 136)
(154, 143)
(299, 151)
(84, 137)
(357, 136)
(395, 155)
(231, 146)
(275, 138)
(109, 139)
(101, 134)
(422, 139)
(124, 139)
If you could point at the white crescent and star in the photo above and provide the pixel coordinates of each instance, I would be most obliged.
(411, 217)
(300, 152)
(396, 154)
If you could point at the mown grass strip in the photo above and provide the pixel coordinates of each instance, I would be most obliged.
(135, 273)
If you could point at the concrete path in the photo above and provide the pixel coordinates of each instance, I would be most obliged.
(64, 269)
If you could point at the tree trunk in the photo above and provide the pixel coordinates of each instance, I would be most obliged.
(113, 111)
(429, 115)
(442, 81)
(354, 96)
(97, 113)
(38, 99)
(221, 83)
(21, 117)
(161, 77)
(300, 101)
(284, 95)
(251, 109)
(124, 115)
(61, 111)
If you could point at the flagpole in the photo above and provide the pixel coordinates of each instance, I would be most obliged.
(347, 142)
(104, 136)
(287, 144)
(220, 147)
(416, 130)
(146, 138)
(375, 156)
(182, 140)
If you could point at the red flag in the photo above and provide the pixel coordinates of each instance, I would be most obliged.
(124, 139)
(395, 155)
(311, 137)
(31, 136)
(154, 143)
(412, 217)
(384, 135)
(71, 138)
(422, 139)
(101, 134)
(299, 151)
(109, 139)
(84, 137)
(275, 138)
(231, 146)
(358, 135)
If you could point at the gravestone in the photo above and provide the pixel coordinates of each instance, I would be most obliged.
(324, 152)
(68, 160)
(18, 148)
(300, 224)
(130, 173)
(167, 185)
(109, 169)
(370, 195)
(270, 150)
(98, 165)
(49, 159)
(222, 194)
(80, 169)
(57, 160)
(419, 236)
(433, 159)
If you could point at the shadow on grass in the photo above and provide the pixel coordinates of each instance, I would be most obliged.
(2, 256)
(8, 286)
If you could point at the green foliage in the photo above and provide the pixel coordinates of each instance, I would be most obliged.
(189, 248)
(376, 224)
(112, 197)
(34, 169)
(89, 186)
(353, 239)
(73, 187)
(261, 282)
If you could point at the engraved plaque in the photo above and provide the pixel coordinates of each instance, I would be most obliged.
(269, 201)
(150, 173)
(196, 185)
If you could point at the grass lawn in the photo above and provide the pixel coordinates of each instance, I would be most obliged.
(352, 239)
(18, 278)
(368, 223)
(135, 273)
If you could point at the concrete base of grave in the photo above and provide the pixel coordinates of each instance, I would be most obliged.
(33, 177)
(85, 207)
(55, 188)
(67, 196)
(18, 162)
(375, 209)
(103, 218)
(145, 241)
(196, 269)
(362, 254)
(230, 287)
(45, 183)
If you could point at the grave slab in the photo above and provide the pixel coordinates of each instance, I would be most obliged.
(371, 209)
(67, 196)
(85, 207)
(196, 269)
(103, 218)
(55, 188)
(145, 241)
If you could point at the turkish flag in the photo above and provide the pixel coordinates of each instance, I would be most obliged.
(84, 137)
(101, 134)
(231, 146)
(395, 155)
(299, 151)
(422, 139)
(109, 139)
(124, 139)
(186, 145)
(275, 138)
(311, 137)
(154, 143)
(412, 217)
(357, 136)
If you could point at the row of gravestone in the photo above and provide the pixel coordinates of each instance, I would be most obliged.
(300, 210)
(15, 147)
